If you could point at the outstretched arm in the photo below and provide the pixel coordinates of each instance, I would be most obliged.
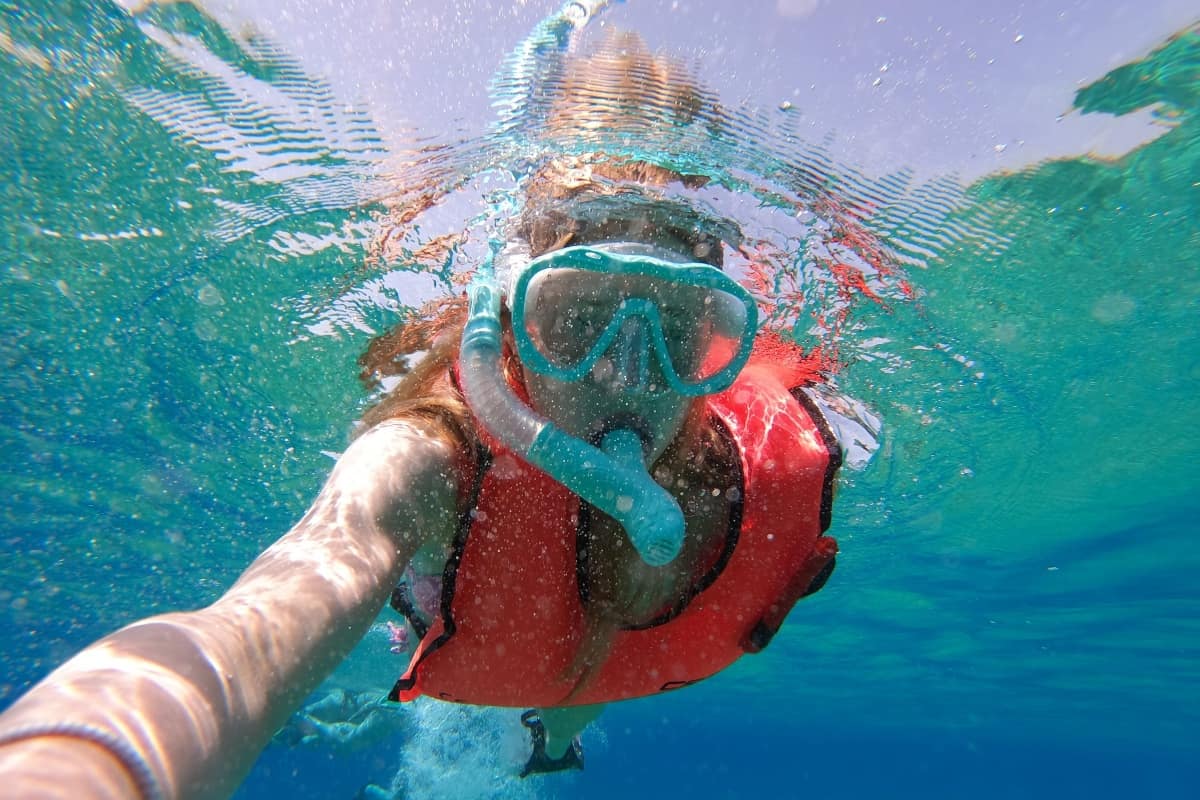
(193, 697)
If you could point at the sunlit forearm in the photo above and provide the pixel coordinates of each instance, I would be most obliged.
(196, 695)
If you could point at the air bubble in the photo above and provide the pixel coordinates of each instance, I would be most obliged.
(210, 295)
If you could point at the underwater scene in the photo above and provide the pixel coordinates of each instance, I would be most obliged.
(980, 223)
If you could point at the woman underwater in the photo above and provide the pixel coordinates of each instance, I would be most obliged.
(621, 493)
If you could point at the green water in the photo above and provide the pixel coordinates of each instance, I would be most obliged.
(1019, 558)
(1058, 560)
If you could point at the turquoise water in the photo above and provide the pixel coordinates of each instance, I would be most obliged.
(192, 262)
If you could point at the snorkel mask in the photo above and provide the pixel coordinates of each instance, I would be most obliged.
(632, 302)
(573, 308)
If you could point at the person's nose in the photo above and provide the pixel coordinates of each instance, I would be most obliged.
(630, 354)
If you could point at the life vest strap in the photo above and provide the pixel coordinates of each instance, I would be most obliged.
(831, 445)
(403, 688)
(809, 579)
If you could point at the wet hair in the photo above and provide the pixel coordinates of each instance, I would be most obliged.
(613, 92)
(632, 214)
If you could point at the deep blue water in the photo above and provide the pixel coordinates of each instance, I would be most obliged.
(688, 747)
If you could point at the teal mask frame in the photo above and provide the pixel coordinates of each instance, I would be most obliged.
(597, 259)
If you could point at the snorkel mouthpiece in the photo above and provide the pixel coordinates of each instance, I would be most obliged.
(618, 485)
(657, 546)
(613, 479)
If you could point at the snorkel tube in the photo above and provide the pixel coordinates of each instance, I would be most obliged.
(613, 478)
(616, 481)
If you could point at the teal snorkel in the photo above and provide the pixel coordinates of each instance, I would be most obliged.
(613, 478)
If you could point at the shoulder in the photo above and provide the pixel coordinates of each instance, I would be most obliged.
(407, 471)
(853, 426)
(399, 443)
(847, 427)
(403, 448)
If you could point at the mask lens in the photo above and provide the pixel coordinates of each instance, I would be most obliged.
(566, 313)
(702, 328)
(572, 316)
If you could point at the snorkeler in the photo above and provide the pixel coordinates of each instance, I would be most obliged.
(625, 486)
(627, 367)
(630, 360)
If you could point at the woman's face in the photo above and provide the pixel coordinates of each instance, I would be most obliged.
(626, 387)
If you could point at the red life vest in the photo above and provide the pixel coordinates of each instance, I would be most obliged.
(512, 615)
